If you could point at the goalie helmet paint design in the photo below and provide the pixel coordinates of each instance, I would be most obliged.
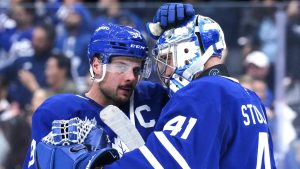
(190, 45)
(111, 40)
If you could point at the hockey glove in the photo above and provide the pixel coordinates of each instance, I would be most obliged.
(169, 15)
(75, 144)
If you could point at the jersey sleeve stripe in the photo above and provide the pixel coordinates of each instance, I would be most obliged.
(150, 157)
(171, 149)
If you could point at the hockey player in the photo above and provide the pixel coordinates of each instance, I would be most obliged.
(211, 121)
(119, 59)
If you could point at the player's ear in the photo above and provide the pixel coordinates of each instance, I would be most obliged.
(96, 65)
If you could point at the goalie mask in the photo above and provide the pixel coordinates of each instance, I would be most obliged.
(110, 40)
(181, 52)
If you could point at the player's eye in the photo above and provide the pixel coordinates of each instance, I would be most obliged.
(117, 67)
(122, 68)
(163, 58)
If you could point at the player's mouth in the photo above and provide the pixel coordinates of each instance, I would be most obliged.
(126, 90)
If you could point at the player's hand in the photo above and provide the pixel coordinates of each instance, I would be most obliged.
(172, 14)
(169, 15)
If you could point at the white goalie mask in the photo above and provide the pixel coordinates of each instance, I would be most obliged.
(181, 52)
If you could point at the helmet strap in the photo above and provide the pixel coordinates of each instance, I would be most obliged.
(93, 77)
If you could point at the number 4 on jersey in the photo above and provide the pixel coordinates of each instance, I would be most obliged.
(176, 124)
(263, 151)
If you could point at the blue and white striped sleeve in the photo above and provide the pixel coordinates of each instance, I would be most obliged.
(159, 152)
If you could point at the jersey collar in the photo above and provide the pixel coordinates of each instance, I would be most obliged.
(217, 70)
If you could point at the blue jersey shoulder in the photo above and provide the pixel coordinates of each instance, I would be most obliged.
(62, 107)
(59, 107)
(65, 106)
(152, 94)
(145, 108)
(151, 89)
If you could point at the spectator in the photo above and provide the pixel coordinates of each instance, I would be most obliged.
(17, 133)
(266, 33)
(4, 149)
(111, 11)
(73, 43)
(258, 32)
(69, 6)
(257, 66)
(14, 131)
(261, 89)
(4, 104)
(57, 75)
(293, 40)
(293, 59)
(15, 37)
(42, 43)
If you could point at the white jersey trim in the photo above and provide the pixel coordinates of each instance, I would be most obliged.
(231, 78)
(172, 150)
(131, 109)
(150, 157)
(82, 97)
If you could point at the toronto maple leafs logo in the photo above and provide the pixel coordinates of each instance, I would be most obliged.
(118, 144)
(135, 34)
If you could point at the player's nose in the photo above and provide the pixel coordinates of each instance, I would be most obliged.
(130, 75)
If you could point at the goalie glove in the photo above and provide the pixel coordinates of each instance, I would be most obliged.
(169, 15)
(75, 144)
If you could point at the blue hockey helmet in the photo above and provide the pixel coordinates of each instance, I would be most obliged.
(110, 40)
(189, 46)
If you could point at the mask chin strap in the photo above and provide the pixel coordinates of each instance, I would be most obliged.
(98, 80)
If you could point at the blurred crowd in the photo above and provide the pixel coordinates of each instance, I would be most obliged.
(43, 45)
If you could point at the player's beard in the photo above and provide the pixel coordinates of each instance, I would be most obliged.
(115, 95)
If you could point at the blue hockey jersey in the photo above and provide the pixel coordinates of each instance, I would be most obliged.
(212, 123)
(143, 110)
